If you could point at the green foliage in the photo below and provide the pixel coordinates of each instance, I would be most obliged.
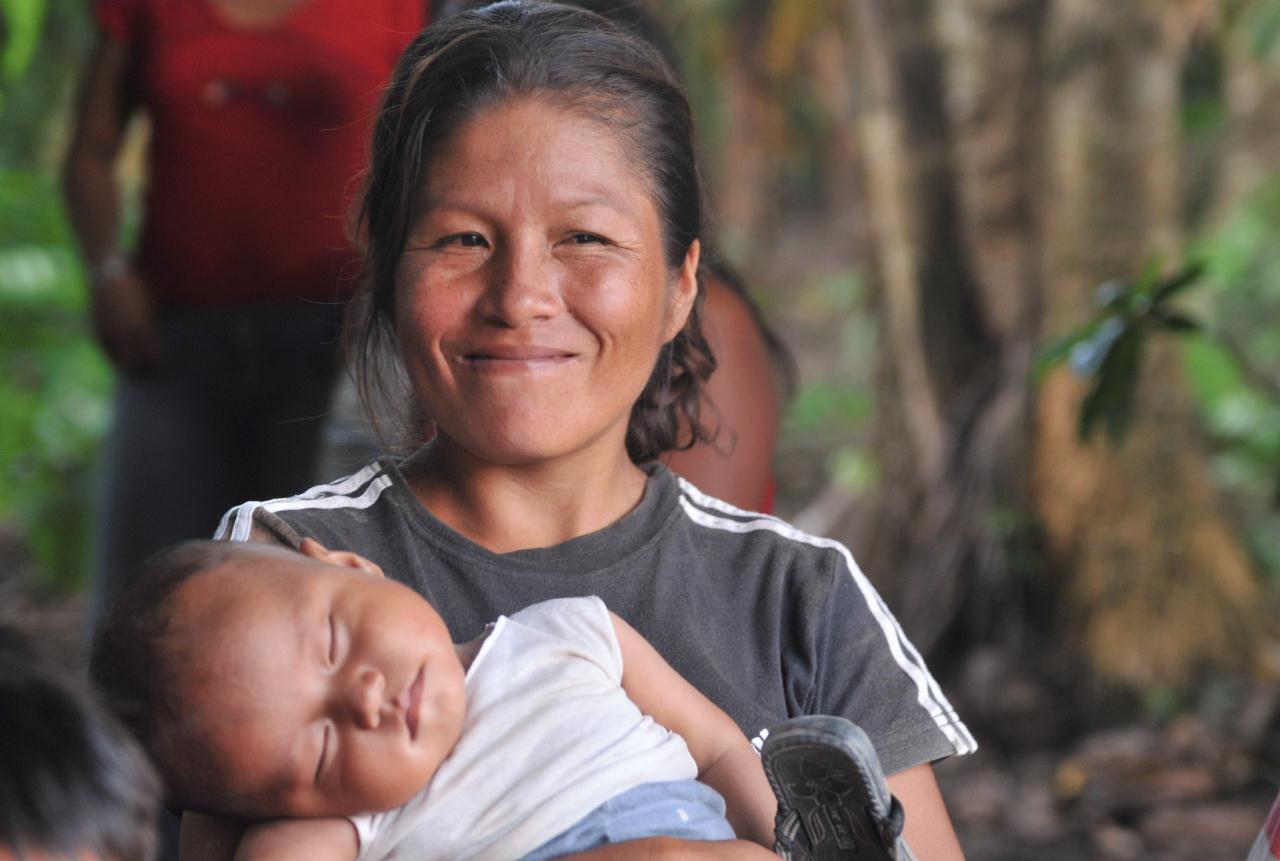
(22, 21)
(1108, 348)
(1230, 354)
(53, 382)
(822, 404)
(1259, 21)
(45, 41)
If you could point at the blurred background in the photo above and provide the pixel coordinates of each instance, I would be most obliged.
(1027, 256)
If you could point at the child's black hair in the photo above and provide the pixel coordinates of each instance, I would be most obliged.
(74, 783)
(136, 665)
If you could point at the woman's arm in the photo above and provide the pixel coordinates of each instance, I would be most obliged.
(208, 838)
(214, 838)
(299, 840)
(927, 828)
(726, 761)
(122, 313)
(745, 402)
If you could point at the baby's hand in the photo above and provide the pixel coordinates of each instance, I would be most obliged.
(300, 839)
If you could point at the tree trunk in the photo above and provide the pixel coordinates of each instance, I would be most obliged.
(1018, 153)
(940, 362)
(747, 193)
(1159, 583)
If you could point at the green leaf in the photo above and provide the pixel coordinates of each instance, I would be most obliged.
(1262, 25)
(1110, 401)
(1189, 275)
(1175, 321)
(1057, 350)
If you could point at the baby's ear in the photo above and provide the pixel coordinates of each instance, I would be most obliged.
(315, 550)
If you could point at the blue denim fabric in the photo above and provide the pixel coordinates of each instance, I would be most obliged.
(685, 809)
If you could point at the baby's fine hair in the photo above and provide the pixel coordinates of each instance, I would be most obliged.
(75, 783)
(136, 664)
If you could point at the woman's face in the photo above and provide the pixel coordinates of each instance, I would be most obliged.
(532, 296)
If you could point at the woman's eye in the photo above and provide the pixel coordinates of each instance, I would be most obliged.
(588, 239)
(466, 240)
(333, 641)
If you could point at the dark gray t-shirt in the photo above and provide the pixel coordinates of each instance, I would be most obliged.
(767, 621)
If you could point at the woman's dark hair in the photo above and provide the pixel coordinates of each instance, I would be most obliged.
(633, 17)
(479, 59)
(75, 782)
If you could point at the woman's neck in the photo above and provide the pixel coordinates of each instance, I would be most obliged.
(505, 508)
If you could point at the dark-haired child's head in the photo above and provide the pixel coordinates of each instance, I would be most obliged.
(270, 682)
(75, 783)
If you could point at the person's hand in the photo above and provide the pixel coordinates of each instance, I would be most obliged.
(124, 319)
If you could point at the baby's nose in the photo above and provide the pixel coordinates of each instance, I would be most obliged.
(365, 697)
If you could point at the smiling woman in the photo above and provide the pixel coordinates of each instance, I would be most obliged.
(532, 220)
(532, 298)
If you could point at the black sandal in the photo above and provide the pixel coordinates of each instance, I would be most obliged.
(833, 803)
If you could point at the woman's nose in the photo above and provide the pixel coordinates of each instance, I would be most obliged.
(364, 698)
(523, 286)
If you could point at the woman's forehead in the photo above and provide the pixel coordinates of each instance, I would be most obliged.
(535, 126)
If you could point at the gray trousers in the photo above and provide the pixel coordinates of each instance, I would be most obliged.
(234, 413)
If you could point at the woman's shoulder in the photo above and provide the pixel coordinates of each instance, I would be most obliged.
(733, 525)
(362, 498)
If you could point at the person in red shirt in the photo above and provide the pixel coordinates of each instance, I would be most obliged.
(224, 323)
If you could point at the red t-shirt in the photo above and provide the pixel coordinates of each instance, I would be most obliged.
(258, 140)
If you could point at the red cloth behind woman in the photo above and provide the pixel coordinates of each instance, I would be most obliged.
(258, 139)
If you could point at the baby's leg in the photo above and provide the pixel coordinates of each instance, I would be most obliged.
(833, 802)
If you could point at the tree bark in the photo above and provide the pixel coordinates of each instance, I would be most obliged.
(1159, 582)
(1018, 153)
(940, 362)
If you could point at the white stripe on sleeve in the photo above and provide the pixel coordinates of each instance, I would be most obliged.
(928, 693)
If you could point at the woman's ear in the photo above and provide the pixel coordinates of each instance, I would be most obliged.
(313, 549)
(683, 292)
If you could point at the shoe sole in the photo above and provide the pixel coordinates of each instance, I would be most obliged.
(826, 770)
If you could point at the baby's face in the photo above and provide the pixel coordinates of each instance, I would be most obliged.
(321, 690)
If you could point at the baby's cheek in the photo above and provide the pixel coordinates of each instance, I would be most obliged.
(384, 779)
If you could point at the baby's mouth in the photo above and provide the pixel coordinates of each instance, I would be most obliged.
(415, 703)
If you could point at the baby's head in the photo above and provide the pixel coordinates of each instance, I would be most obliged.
(270, 682)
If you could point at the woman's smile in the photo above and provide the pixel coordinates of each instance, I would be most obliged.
(517, 359)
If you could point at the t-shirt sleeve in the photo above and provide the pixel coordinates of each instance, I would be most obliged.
(380, 833)
(119, 20)
(865, 669)
(367, 827)
(583, 624)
